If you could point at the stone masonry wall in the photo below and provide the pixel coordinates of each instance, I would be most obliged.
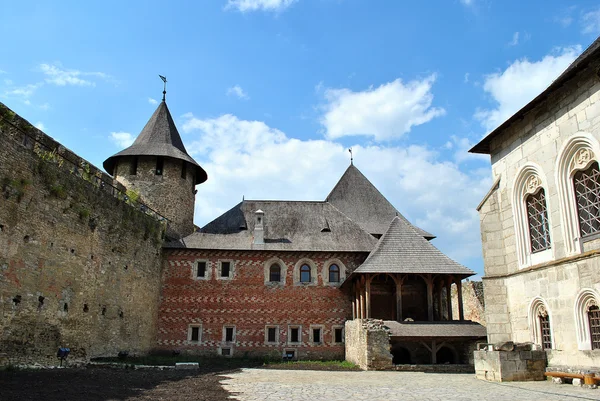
(250, 303)
(79, 268)
(473, 304)
(169, 194)
(509, 288)
(368, 344)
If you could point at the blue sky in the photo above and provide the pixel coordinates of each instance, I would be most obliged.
(269, 94)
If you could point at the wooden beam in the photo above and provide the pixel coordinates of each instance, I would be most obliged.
(368, 295)
(449, 297)
(461, 314)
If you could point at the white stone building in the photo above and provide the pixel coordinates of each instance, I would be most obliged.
(540, 221)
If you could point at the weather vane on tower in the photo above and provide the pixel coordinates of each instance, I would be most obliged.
(351, 158)
(165, 87)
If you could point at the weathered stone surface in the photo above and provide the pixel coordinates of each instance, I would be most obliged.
(368, 344)
(79, 268)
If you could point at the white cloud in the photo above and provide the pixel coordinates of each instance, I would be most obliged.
(591, 22)
(122, 139)
(152, 101)
(237, 91)
(39, 125)
(259, 5)
(467, 2)
(23, 92)
(386, 112)
(252, 159)
(466, 80)
(56, 75)
(515, 39)
(522, 81)
(3, 72)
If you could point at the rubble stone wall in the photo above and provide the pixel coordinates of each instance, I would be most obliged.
(368, 344)
(79, 268)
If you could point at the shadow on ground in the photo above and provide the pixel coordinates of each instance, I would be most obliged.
(103, 384)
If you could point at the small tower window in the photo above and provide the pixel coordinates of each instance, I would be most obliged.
(159, 165)
(133, 166)
(183, 169)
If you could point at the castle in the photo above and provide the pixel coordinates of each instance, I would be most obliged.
(540, 221)
(104, 263)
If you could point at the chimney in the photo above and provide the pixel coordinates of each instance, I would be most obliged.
(259, 227)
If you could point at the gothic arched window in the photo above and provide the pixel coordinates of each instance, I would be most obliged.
(537, 217)
(593, 314)
(545, 334)
(587, 194)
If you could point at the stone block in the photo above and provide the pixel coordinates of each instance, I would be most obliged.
(187, 365)
(578, 382)
(557, 380)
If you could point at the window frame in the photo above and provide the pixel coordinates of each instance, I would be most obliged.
(192, 326)
(536, 207)
(305, 269)
(333, 332)
(278, 273)
(289, 338)
(276, 340)
(282, 272)
(207, 270)
(314, 277)
(231, 274)
(580, 210)
(321, 329)
(160, 166)
(233, 334)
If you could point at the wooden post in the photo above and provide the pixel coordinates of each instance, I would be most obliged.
(439, 288)
(368, 295)
(449, 297)
(433, 352)
(353, 301)
(461, 314)
(429, 283)
(398, 299)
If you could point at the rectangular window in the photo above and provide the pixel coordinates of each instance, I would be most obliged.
(183, 169)
(133, 166)
(201, 270)
(226, 351)
(271, 334)
(289, 354)
(338, 335)
(316, 335)
(194, 333)
(545, 329)
(225, 269)
(294, 334)
(159, 165)
(229, 334)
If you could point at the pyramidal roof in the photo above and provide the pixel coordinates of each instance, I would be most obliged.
(158, 138)
(357, 198)
(403, 250)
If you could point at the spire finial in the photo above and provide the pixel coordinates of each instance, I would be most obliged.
(351, 158)
(165, 86)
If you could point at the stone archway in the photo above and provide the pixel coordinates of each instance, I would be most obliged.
(446, 355)
(401, 356)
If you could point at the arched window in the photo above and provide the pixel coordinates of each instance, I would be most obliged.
(539, 322)
(275, 273)
(537, 217)
(531, 217)
(587, 320)
(578, 185)
(334, 273)
(305, 276)
(587, 194)
(593, 314)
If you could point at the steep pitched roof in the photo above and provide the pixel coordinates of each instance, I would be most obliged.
(288, 226)
(403, 250)
(579, 64)
(356, 197)
(158, 138)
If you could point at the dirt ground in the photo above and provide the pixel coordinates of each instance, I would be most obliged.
(105, 384)
(101, 384)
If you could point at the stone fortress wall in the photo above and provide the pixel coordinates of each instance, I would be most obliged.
(79, 261)
(515, 278)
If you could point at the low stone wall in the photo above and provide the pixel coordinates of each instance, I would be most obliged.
(447, 368)
(503, 366)
(368, 344)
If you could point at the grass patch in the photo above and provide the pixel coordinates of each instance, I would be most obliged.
(312, 365)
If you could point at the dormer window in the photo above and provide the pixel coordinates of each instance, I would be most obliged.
(159, 165)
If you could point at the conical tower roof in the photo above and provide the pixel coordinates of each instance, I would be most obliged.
(356, 197)
(403, 250)
(158, 138)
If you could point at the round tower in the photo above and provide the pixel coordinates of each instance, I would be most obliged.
(159, 169)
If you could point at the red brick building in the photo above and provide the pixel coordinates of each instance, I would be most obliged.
(273, 278)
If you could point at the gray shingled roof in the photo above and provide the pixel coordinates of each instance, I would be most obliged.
(581, 62)
(158, 138)
(288, 226)
(356, 197)
(403, 250)
(436, 329)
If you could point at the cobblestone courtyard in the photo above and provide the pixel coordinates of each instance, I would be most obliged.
(262, 384)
